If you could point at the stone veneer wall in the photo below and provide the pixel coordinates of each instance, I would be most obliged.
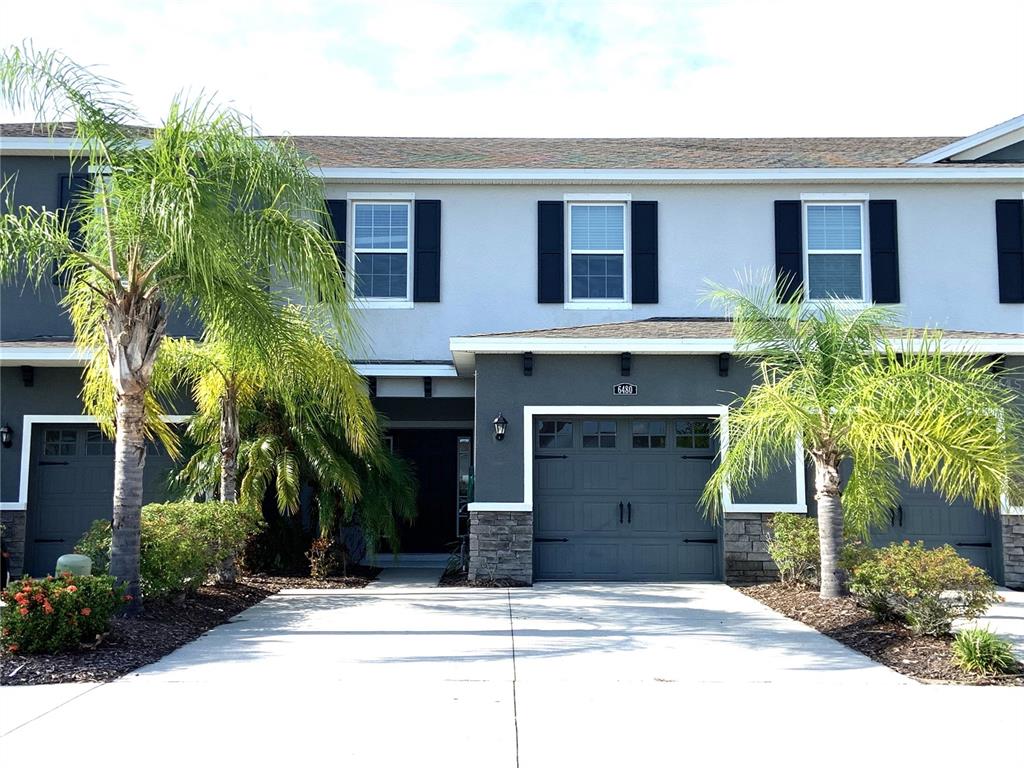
(746, 552)
(501, 546)
(13, 521)
(1013, 550)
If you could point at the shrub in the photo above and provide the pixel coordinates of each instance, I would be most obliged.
(50, 615)
(793, 545)
(981, 652)
(925, 588)
(181, 542)
(279, 548)
(323, 557)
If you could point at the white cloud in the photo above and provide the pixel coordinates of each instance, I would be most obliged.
(571, 68)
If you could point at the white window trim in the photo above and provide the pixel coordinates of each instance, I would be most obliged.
(598, 197)
(381, 302)
(716, 411)
(31, 419)
(626, 302)
(865, 261)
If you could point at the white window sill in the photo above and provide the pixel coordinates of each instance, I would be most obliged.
(602, 305)
(383, 304)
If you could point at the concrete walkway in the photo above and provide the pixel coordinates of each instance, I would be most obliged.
(581, 674)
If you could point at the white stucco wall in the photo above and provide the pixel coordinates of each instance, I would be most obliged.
(947, 247)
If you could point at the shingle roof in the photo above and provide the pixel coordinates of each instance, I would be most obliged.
(681, 328)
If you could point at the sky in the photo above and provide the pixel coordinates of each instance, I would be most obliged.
(509, 68)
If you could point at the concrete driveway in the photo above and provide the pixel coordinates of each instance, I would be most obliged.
(577, 674)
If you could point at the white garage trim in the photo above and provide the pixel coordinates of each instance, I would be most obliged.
(31, 419)
(719, 411)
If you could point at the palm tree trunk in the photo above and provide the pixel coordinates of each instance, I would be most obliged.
(229, 439)
(830, 525)
(129, 462)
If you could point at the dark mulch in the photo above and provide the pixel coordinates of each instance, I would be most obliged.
(164, 626)
(928, 659)
(462, 580)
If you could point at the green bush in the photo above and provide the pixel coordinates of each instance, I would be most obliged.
(925, 588)
(181, 542)
(794, 546)
(981, 652)
(50, 615)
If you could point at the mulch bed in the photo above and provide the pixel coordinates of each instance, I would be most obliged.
(462, 580)
(164, 626)
(924, 658)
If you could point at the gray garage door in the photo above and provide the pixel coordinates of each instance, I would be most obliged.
(925, 516)
(616, 500)
(72, 477)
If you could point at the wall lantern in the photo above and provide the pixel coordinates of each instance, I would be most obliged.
(723, 364)
(6, 435)
(500, 425)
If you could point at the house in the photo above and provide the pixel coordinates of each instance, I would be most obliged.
(533, 320)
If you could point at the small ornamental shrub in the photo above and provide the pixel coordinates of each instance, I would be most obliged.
(56, 614)
(323, 557)
(181, 542)
(983, 653)
(925, 588)
(794, 546)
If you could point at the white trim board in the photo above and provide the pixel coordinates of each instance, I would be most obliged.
(718, 411)
(27, 422)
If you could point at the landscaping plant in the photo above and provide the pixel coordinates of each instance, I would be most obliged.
(925, 588)
(793, 544)
(981, 652)
(159, 231)
(849, 384)
(56, 614)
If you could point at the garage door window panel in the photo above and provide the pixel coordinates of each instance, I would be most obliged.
(554, 434)
(649, 434)
(98, 444)
(693, 433)
(60, 442)
(599, 434)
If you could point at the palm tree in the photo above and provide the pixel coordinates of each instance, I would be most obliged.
(162, 222)
(851, 385)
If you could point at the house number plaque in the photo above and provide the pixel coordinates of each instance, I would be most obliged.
(624, 388)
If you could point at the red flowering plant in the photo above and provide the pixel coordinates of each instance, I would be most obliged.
(56, 614)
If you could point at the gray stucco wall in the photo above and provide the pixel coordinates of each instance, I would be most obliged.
(573, 380)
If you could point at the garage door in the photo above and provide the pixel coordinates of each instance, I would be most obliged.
(925, 516)
(72, 476)
(617, 500)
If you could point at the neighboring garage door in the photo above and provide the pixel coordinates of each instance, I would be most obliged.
(925, 516)
(72, 476)
(617, 499)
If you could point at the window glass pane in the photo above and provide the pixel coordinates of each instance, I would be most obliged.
(597, 227)
(693, 433)
(554, 434)
(599, 434)
(381, 225)
(833, 227)
(381, 275)
(97, 444)
(649, 434)
(834, 275)
(597, 277)
(60, 442)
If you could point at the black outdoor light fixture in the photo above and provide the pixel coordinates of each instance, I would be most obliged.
(6, 435)
(500, 425)
(723, 364)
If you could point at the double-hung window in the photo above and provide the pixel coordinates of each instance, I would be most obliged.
(834, 250)
(381, 248)
(597, 252)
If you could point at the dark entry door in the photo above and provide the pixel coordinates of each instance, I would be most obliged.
(72, 475)
(433, 454)
(617, 499)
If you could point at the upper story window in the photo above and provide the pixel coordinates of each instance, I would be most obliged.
(597, 252)
(834, 250)
(381, 248)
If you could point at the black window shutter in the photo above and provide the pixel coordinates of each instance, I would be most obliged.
(789, 249)
(338, 210)
(885, 259)
(426, 262)
(550, 252)
(644, 251)
(1010, 250)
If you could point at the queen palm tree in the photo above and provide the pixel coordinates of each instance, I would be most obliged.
(162, 222)
(851, 385)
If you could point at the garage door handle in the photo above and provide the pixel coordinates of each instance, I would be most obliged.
(47, 541)
(620, 513)
(629, 511)
(700, 541)
(53, 463)
(550, 456)
(986, 545)
(539, 538)
(697, 458)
